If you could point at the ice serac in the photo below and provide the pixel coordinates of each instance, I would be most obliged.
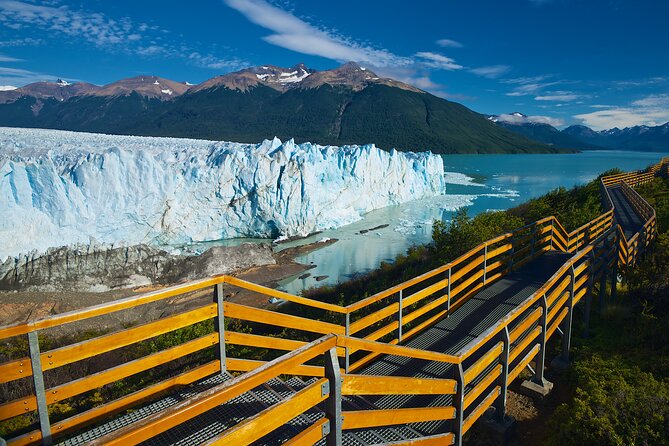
(61, 188)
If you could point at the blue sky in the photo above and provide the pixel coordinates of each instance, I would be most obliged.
(603, 63)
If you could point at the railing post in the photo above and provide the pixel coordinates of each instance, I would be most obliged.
(588, 294)
(566, 338)
(459, 404)
(538, 385)
(538, 377)
(605, 272)
(614, 273)
(500, 405)
(513, 252)
(448, 298)
(219, 324)
(346, 350)
(552, 232)
(485, 262)
(333, 402)
(399, 318)
(40, 389)
(534, 238)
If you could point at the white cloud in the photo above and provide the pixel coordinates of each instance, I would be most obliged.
(19, 77)
(559, 96)
(651, 110)
(94, 27)
(215, 63)
(528, 85)
(4, 58)
(295, 34)
(654, 101)
(624, 117)
(526, 80)
(438, 61)
(109, 34)
(491, 72)
(26, 41)
(516, 119)
(448, 43)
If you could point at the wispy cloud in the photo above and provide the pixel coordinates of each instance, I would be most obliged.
(653, 101)
(516, 119)
(438, 61)
(4, 58)
(531, 85)
(491, 72)
(109, 34)
(26, 41)
(93, 27)
(448, 43)
(645, 82)
(215, 63)
(295, 34)
(559, 96)
(651, 110)
(18, 77)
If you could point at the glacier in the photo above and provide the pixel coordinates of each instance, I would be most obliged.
(62, 188)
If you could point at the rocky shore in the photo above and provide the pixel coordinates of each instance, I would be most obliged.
(66, 279)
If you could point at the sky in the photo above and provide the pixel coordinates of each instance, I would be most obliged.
(601, 63)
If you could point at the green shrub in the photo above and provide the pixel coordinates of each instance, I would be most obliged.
(614, 404)
(464, 233)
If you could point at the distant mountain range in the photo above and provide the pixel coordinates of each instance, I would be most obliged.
(346, 105)
(640, 138)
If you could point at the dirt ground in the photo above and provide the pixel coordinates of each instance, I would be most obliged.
(532, 416)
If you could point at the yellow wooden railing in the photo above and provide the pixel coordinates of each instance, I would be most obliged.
(357, 333)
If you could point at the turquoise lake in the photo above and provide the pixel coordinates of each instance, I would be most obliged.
(477, 182)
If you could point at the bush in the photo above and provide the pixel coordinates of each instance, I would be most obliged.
(614, 404)
(464, 233)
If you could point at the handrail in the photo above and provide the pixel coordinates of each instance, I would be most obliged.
(519, 337)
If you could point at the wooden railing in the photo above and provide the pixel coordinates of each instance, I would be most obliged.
(357, 333)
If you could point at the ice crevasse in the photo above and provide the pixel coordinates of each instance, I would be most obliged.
(62, 188)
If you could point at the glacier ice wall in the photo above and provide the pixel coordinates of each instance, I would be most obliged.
(60, 188)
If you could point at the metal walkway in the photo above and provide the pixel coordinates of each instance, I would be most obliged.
(449, 335)
(453, 333)
(624, 214)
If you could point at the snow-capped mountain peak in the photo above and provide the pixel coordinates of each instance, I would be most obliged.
(350, 75)
(63, 83)
(272, 74)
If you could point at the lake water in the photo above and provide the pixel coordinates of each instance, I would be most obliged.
(478, 182)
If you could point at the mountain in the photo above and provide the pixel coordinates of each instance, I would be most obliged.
(346, 105)
(60, 90)
(540, 131)
(641, 137)
(148, 86)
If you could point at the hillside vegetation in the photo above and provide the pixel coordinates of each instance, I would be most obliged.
(386, 116)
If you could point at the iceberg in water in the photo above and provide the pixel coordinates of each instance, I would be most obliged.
(61, 188)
